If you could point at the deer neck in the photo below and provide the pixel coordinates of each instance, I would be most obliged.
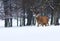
(37, 15)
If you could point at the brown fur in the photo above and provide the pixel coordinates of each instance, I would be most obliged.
(43, 20)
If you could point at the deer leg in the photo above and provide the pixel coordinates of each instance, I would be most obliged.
(38, 25)
(42, 24)
(45, 24)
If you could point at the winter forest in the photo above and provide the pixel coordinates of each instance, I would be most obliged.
(21, 11)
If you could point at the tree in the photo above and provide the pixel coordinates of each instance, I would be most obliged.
(56, 11)
(7, 9)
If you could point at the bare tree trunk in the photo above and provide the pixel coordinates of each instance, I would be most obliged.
(10, 13)
(7, 10)
(10, 22)
(52, 18)
(24, 17)
(23, 7)
(6, 22)
(29, 17)
(17, 19)
(21, 21)
(33, 21)
(56, 15)
(56, 18)
(56, 11)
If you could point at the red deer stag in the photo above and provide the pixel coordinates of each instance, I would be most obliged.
(43, 20)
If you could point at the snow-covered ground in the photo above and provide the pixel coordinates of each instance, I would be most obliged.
(29, 33)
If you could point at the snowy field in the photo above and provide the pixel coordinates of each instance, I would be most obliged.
(29, 33)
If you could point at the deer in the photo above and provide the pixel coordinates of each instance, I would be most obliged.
(43, 20)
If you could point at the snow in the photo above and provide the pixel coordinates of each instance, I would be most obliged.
(1, 23)
(29, 33)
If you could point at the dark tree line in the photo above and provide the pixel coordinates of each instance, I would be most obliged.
(25, 6)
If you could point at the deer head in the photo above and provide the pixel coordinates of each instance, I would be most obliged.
(35, 11)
